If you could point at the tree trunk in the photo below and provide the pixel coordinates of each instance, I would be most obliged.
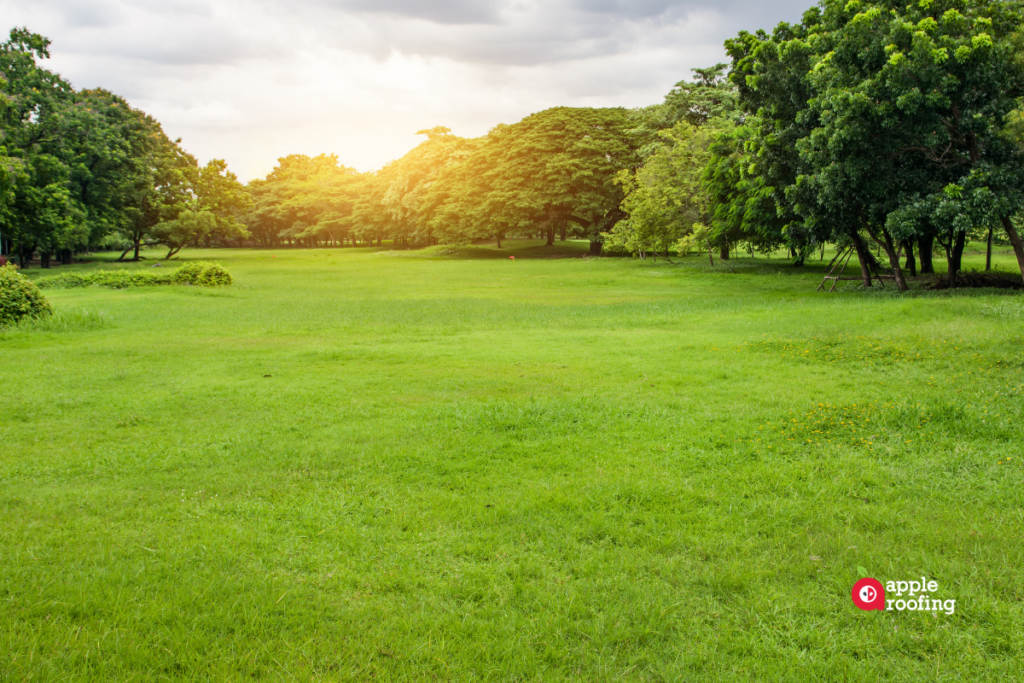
(925, 247)
(551, 235)
(894, 261)
(1015, 240)
(564, 225)
(988, 253)
(711, 257)
(25, 256)
(44, 259)
(911, 263)
(724, 252)
(955, 259)
(595, 248)
(499, 241)
(864, 257)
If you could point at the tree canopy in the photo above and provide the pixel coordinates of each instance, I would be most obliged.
(884, 121)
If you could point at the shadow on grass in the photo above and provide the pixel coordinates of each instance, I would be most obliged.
(524, 249)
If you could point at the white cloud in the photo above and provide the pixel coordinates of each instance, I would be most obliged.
(250, 81)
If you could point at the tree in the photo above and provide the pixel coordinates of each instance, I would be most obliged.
(398, 199)
(219, 192)
(552, 168)
(771, 74)
(304, 199)
(665, 199)
(693, 173)
(885, 119)
(191, 225)
(912, 101)
(159, 182)
(38, 210)
(710, 95)
(741, 206)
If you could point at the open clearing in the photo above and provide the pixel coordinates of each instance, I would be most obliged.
(356, 464)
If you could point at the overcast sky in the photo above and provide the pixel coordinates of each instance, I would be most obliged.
(253, 80)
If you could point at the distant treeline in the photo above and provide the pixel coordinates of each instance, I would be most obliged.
(867, 123)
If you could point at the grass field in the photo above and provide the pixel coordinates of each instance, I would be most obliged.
(359, 465)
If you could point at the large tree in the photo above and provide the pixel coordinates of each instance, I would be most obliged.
(304, 199)
(885, 120)
(219, 192)
(214, 213)
(692, 173)
(159, 183)
(398, 199)
(665, 198)
(79, 165)
(552, 168)
(36, 113)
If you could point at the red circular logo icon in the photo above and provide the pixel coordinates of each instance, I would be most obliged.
(868, 594)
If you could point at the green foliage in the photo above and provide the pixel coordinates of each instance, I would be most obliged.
(551, 168)
(199, 274)
(20, 298)
(76, 166)
(304, 199)
(691, 190)
(227, 200)
(887, 119)
(398, 200)
(665, 198)
(709, 96)
(111, 279)
(190, 226)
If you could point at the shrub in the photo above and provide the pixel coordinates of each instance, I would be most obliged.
(114, 279)
(19, 297)
(198, 274)
(202, 275)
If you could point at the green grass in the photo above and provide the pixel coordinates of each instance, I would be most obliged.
(363, 464)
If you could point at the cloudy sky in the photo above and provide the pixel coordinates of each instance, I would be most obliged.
(253, 80)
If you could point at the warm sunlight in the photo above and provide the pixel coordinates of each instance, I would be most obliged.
(251, 82)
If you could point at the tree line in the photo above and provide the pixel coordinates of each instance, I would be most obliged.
(83, 169)
(865, 125)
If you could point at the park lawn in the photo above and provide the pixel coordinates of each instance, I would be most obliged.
(359, 464)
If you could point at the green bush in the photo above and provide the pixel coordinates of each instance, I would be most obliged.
(113, 279)
(202, 275)
(20, 298)
(197, 274)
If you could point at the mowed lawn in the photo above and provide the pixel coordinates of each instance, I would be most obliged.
(362, 465)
